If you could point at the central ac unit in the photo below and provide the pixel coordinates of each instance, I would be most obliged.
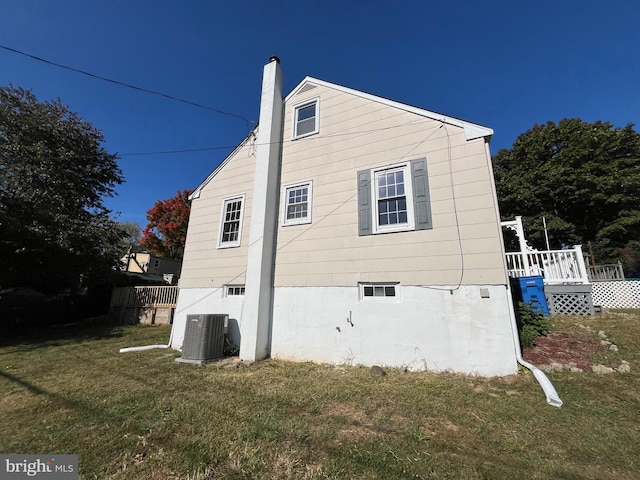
(203, 338)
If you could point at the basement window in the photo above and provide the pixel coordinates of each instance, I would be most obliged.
(370, 291)
(234, 291)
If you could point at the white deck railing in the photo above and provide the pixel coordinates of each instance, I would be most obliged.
(605, 273)
(556, 266)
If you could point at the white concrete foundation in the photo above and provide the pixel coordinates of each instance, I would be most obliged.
(423, 329)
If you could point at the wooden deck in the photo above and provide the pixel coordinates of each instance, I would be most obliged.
(153, 305)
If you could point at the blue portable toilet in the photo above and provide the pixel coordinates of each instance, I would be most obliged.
(531, 290)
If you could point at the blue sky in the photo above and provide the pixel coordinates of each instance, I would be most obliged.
(501, 64)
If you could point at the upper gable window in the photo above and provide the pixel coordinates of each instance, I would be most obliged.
(231, 222)
(297, 203)
(394, 198)
(305, 118)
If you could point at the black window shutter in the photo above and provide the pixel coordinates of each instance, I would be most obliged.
(364, 203)
(421, 204)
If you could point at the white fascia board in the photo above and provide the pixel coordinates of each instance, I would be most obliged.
(471, 130)
(196, 192)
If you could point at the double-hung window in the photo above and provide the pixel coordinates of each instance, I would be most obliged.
(305, 118)
(392, 210)
(297, 203)
(231, 222)
(394, 198)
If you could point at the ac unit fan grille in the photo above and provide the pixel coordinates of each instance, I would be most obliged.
(203, 338)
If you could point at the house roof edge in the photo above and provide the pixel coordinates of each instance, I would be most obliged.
(471, 130)
(196, 193)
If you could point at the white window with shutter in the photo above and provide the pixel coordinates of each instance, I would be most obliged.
(391, 188)
(394, 198)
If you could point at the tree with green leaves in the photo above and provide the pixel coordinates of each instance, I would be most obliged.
(584, 179)
(166, 232)
(55, 231)
(131, 236)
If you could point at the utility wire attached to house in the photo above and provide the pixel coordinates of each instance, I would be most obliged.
(249, 123)
(254, 144)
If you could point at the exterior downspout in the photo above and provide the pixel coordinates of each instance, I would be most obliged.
(553, 398)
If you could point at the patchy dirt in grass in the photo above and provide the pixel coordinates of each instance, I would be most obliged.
(564, 348)
(351, 422)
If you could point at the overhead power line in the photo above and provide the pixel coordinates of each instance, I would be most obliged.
(164, 152)
(128, 85)
(276, 142)
(352, 134)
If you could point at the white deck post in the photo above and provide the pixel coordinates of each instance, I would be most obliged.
(523, 246)
(581, 266)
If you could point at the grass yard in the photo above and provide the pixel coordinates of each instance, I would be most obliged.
(140, 415)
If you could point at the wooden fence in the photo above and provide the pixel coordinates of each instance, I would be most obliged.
(151, 304)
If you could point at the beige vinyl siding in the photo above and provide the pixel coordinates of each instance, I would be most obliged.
(205, 265)
(357, 134)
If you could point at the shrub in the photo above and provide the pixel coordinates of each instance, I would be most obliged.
(532, 324)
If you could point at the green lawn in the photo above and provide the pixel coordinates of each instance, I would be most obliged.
(140, 415)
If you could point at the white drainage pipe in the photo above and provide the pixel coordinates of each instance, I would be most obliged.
(553, 398)
(139, 349)
(148, 347)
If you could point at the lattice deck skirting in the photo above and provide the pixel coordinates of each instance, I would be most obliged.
(569, 299)
(619, 294)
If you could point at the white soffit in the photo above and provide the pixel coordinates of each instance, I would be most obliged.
(471, 130)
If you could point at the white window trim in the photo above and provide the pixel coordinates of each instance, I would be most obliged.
(408, 192)
(395, 285)
(229, 288)
(285, 204)
(294, 121)
(225, 200)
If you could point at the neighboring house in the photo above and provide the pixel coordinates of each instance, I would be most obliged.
(149, 265)
(348, 228)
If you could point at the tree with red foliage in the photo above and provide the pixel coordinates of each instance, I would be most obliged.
(166, 232)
